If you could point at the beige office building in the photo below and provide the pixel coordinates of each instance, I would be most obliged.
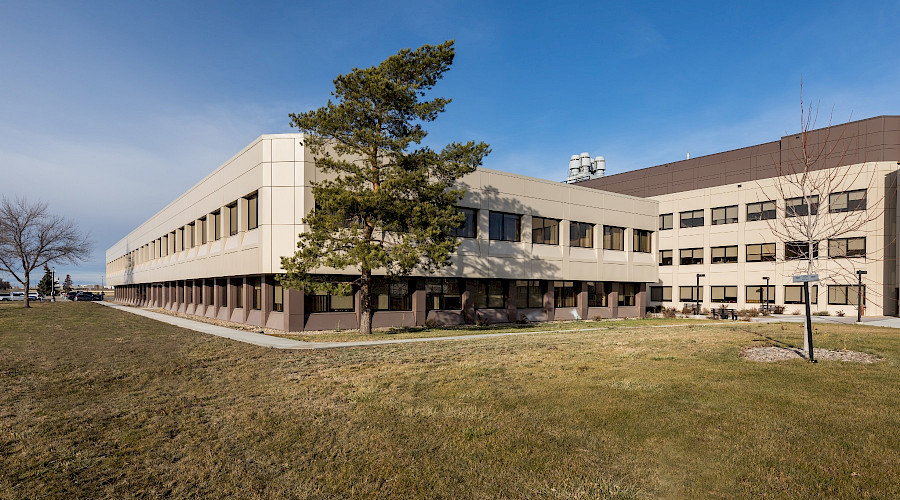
(720, 215)
(531, 249)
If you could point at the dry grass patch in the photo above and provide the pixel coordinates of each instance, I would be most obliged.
(98, 403)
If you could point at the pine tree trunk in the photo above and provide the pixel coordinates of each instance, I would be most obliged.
(365, 317)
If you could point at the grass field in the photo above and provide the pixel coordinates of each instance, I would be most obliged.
(96, 402)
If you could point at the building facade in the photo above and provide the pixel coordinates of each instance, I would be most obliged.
(722, 222)
(531, 249)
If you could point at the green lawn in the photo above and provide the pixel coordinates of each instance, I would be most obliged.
(96, 402)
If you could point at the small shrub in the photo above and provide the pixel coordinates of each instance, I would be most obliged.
(752, 312)
(778, 309)
(821, 313)
(669, 312)
(431, 323)
(523, 320)
(796, 312)
(597, 317)
(687, 309)
(840, 313)
(482, 321)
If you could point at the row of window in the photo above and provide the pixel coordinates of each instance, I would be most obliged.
(446, 294)
(193, 234)
(758, 294)
(765, 252)
(844, 201)
(507, 227)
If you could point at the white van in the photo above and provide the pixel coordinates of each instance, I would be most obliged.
(11, 296)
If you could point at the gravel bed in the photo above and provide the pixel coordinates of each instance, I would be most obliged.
(775, 354)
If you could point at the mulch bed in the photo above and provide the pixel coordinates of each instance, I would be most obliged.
(775, 354)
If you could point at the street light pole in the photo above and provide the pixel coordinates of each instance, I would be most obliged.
(53, 285)
(697, 291)
(859, 295)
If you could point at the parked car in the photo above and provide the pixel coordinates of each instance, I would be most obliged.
(35, 296)
(87, 296)
(11, 296)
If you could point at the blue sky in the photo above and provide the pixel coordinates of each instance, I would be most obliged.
(111, 109)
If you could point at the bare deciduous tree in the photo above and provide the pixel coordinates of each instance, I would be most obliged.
(814, 174)
(31, 237)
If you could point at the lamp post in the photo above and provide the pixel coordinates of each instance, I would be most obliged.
(766, 304)
(859, 295)
(697, 291)
(53, 284)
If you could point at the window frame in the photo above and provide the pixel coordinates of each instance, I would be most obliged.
(813, 294)
(803, 247)
(694, 261)
(504, 218)
(469, 229)
(861, 203)
(693, 293)
(439, 294)
(544, 231)
(564, 295)
(586, 230)
(233, 227)
(662, 258)
(692, 219)
(725, 258)
(729, 215)
(597, 294)
(845, 242)
(763, 256)
(638, 243)
(807, 206)
(252, 210)
(610, 238)
(725, 297)
(663, 219)
(660, 291)
(765, 212)
(769, 290)
(849, 291)
(486, 286)
(525, 298)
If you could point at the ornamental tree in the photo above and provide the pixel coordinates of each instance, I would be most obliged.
(388, 203)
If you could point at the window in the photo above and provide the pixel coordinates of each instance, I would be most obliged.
(723, 294)
(725, 215)
(392, 296)
(691, 256)
(544, 231)
(581, 234)
(847, 201)
(256, 300)
(761, 252)
(845, 294)
(443, 294)
(692, 218)
(627, 292)
(504, 227)
(795, 207)
(661, 294)
(690, 293)
(320, 302)
(799, 250)
(847, 247)
(278, 298)
(563, 294)
(189, 233)
(203, 230)
(759, 294)
(188, 292)
(793, 294)
(764, 210)
(529, 295)
(641, 241)
(666, 221)
(238, 292)
(665, 257)
(252, 211)
(232, 219)
(470, 223)
(489, 295)
(724, 255)
(596, 293)
(613, 238)
(217, 224)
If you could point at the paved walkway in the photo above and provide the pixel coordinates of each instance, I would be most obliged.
(283, 343)
(273, 342)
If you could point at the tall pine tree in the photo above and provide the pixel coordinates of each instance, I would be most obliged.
(390, 204)
(45, 286)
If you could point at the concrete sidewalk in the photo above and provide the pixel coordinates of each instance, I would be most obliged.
(883, 321)
(273, 342)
